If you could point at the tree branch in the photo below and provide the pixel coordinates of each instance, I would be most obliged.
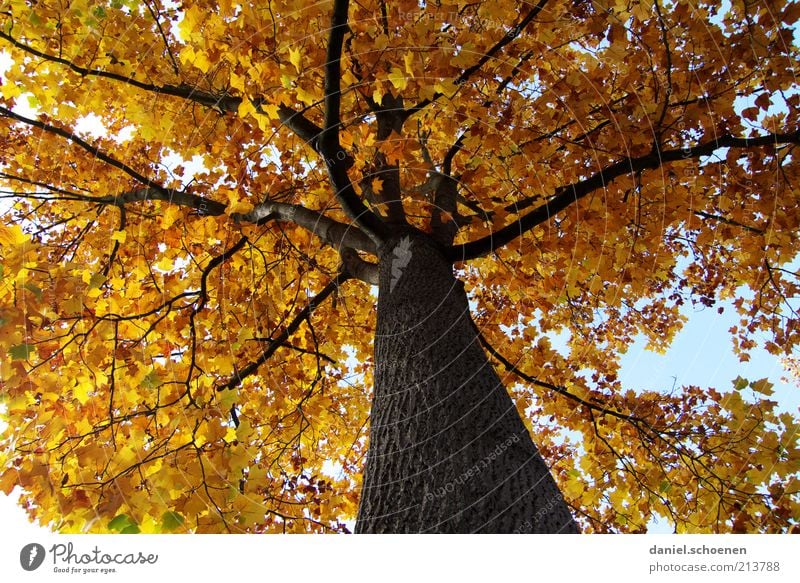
(307, 131)
(444, 215)
(389, 117)
(281, 338)
(204, 205)
(567, 195)
(213, 264)
(329, 146)
(336, 234)
(93, 150)
(154, 191)
(358, 268)
(222, 102)
(67, 194)
(545, 385)
(295, 121)
(498, 46)
(332, 232)
(727, 221)
(172, 59)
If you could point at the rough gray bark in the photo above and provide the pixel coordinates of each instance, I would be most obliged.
(448, 451)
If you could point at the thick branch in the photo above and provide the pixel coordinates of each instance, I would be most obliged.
(444, 216)
(567, 195)
(358, 268)
(307, 131)
(329, 145)
(445, 221)
(332, 232)
(390, 194)
(201, 204)
(336, 234)
(333, 71)
(337, 160)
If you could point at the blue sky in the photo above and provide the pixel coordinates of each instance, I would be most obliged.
(702, 355)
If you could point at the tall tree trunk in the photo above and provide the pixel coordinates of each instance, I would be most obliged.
(448, 451)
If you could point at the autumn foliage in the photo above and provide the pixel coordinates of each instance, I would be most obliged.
(186, 320)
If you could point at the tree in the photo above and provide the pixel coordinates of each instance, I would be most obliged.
(202, 196)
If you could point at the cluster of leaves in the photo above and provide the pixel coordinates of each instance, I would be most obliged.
(171, 359)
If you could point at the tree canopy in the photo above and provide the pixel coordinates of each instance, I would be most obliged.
(194, 196)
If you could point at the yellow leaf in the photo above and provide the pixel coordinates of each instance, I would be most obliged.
(119, 236)
(246, 107)
(447, 87)
(192, 17)
(201, 62)
(12, 235)
(224, 364)
(398, 78)
(195, 505)
(427, 92)
(381, 42)
(238, 82)
(270, 109)
(8, 480)
(190, 57)
(306, 97)
(408, 60)
(10, 90)
(169, 216)
(126, 456)
(377, 95)
(81, 391)
(200, 439)
(348, 78)
(230, 435)
(574, 488)
(294, 58)
(73, 305)
(165, 264)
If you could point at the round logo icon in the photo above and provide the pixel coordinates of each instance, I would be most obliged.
(31, 556)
